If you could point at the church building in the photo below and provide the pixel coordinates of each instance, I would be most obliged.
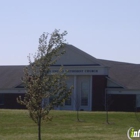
(98, 84)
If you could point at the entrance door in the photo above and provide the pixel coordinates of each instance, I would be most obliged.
(69, 103)
(83, 93)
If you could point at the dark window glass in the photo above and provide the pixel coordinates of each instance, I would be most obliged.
(1, 99)
(84, 93)
(84, 101)
(68, 101)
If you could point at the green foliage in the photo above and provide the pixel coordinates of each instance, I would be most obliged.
(40, 83)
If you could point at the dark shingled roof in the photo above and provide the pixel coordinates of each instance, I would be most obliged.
(125, 74)
(10, 76)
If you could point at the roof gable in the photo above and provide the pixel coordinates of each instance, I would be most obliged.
(113, 84)
(75, 56)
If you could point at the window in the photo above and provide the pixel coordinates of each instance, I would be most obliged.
(1, 99)
(84, 93)
(51, 99)
(68, 101)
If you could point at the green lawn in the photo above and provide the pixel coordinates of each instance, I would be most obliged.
(16, 125)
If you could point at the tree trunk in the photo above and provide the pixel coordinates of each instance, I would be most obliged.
(106, 107)
(78, 116)
(39, 128)
(107, 116)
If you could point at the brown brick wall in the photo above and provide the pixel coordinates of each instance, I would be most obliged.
(10, 101)
(99, 83)
(122, 103)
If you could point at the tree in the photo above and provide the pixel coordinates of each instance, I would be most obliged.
(77, 106)
(107, 103)
(44, 89)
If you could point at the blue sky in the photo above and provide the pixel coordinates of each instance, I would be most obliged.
(106, 29)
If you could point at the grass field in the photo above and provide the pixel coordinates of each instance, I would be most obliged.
(16, 125)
